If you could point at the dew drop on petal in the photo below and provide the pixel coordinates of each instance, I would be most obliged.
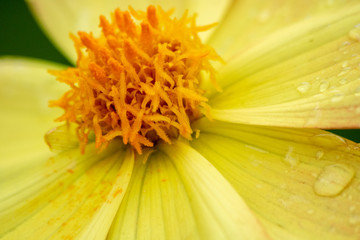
(324, 85)
(303, 87)
(343, 81)
(333, 180)
(319, 155)
(344, 47)
(328, 140)
(345, 43)
(352, 208)
(343, 72)
(337, 97)
(256, 148)
(291, 158)
(354, 34)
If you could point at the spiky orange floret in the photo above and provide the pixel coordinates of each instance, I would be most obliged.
(137, 81)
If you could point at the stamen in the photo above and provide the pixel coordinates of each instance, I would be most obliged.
(139, 80)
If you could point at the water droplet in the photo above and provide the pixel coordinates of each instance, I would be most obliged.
(344, 72)
(343, 81)
(324, 85)
(333, 180)
(328, 140)
(337, 97)
(345, 43)
(354, 219)
(256, 148)
(317, 113)
(319, 155)
(354, 34)
(303, 87)
(291, 158)
(357, 92)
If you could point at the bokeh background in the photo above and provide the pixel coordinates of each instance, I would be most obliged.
(21, 36)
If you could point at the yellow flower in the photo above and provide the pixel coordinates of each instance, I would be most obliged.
(260, 170)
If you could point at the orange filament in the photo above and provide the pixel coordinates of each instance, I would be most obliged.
(137, 81)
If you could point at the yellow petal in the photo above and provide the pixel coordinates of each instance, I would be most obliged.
(220, 212)
(62, 138)
(177, 194)
(209, 12)
(25, 89)
(156, 206)
(58, 17)
(248, 22)
(36, 191)
(303, 76)
(302, 184)
(70, 195)
(100, 224)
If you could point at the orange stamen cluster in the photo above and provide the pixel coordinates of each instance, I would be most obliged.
(137, 81)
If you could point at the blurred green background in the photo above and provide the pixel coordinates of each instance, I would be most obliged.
(20, 35)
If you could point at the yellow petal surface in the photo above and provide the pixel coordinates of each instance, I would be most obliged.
(58, 18)
(248, 22)
(302, 184)
(178, 194)
(70, 196)
(306, 75)
(220, 212)
(25, 89)
(65, 195)
(156, 205)
(63, 138)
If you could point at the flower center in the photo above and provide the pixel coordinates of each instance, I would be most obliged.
(139, 80)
